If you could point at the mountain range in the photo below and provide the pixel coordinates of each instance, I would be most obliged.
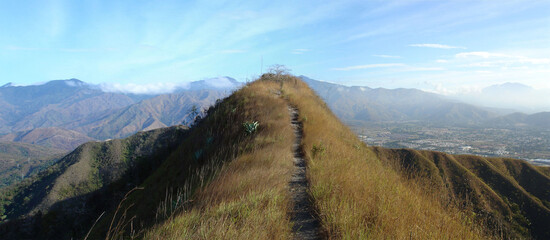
(76, 105)
(228, 176)
(60, 115)
(509, 95)
(361, 104)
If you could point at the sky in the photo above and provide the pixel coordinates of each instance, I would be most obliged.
(447, 47)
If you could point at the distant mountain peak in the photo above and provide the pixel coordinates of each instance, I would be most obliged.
(216, 83)
(508, 87)
(73, 82)
(10, 84)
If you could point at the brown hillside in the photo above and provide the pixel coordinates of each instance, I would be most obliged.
(511, 195)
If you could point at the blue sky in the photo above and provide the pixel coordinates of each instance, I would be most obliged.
(442, 46)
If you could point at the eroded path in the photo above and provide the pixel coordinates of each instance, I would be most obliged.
(306, 224)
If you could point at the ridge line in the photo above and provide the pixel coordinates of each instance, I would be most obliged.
(303, 216)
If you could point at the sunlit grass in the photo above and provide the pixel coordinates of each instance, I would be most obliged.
(248, 199)
(357, 196)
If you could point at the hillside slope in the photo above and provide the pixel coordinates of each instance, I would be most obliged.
(51, 137)
(87, 181)
(21, 160)
(228, 178)
(512, 195)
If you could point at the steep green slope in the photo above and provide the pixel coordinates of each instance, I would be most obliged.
(20, 160)
(61, 201)
(511, 195)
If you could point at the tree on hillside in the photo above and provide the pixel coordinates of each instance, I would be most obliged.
(193, 116)
(280, 72)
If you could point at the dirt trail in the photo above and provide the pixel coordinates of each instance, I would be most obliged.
(306, 224)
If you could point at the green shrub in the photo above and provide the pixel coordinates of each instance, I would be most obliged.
(318, 150)
(250, 127)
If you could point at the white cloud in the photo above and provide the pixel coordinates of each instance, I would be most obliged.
(386, 56)
(163, 87)
(379, 65)
(441, 61)
(300, 51)
(434, 45)
(480, 54)
(219, 82)
(150, 88)
(411, 68)
(499, 59)
(398, 66)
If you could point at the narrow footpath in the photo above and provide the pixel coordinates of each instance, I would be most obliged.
(306, 224)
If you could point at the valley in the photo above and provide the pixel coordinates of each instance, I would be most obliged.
(532, 145)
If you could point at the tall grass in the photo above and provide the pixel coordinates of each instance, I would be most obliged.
(356, 195)
(248, 198)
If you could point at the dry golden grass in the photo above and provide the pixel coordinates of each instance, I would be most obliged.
(355, 194)
(249, 197)
(357, 197)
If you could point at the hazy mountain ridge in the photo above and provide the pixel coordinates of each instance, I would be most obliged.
(76, 105)
(510, 95)
(402, 105)
(387, 105)
(54, 104)
(160, 111)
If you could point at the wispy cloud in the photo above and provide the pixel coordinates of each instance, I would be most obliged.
(378, 65)
(386, 56)
(479, 54)
(435, 45)
(232, 51)
(499, 59)
(18, 48)
(300, 51)
(420, 69)
(164, 87)
(400, 67)
(151, 88)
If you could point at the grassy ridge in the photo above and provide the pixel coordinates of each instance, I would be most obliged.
(356, 195)
(509, 195)
(248, 198)
(221, 182)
